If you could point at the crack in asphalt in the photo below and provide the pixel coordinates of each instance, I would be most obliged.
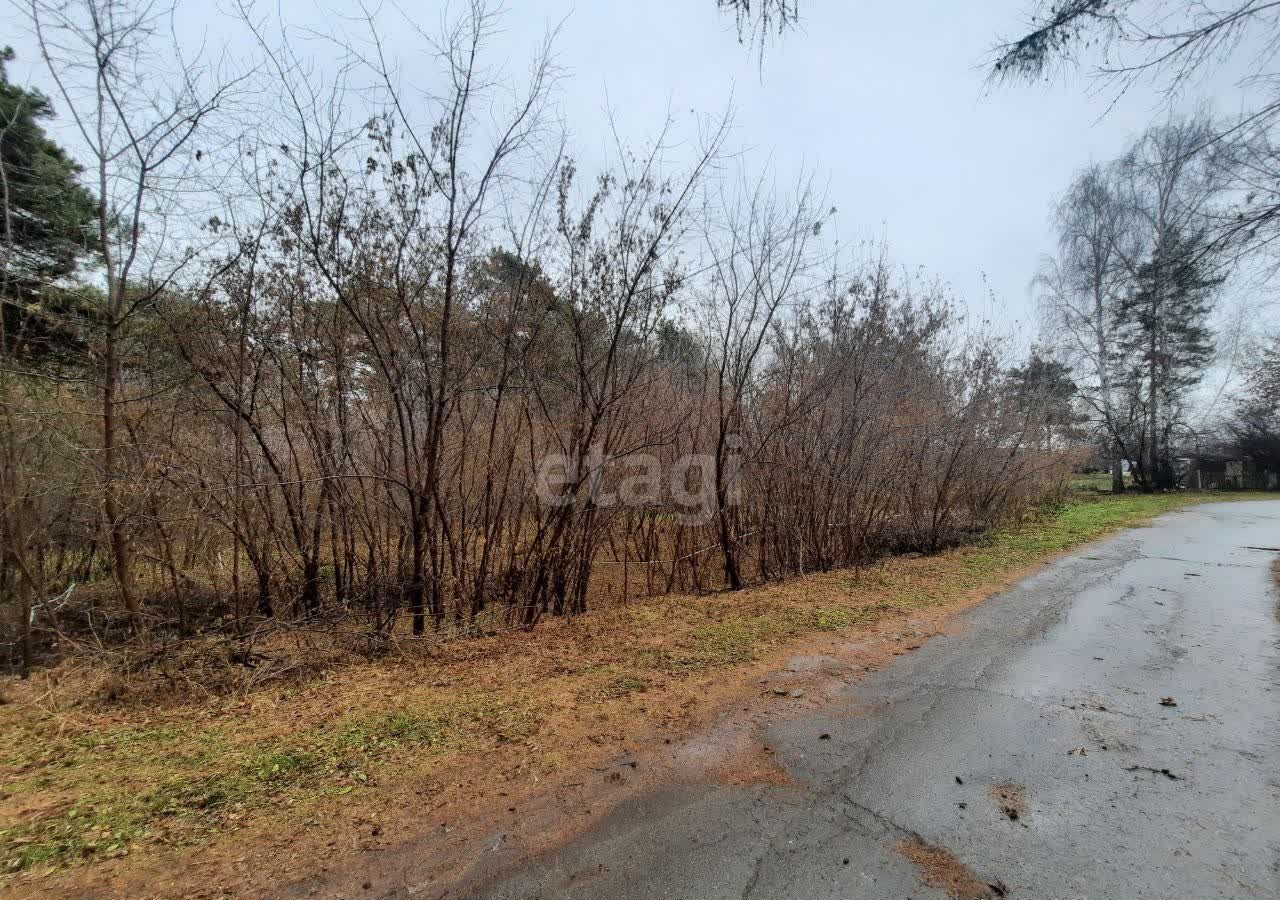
(756, 869)
(1063, 703)
(927, 687)
(1200, 562)
(885, 737)
(890, 824)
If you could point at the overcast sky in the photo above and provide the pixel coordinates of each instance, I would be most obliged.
(886, 101)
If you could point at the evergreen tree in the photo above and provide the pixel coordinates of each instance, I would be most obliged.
(1262, 374)
(48, 224)
(1043, 388)
(1254, 428)
(1166, 341)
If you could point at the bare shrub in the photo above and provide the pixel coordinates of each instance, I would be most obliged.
(333, 410)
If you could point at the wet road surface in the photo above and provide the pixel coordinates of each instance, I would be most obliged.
(1031, 744)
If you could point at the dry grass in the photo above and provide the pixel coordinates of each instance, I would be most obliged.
(940, 869)
(94, 790)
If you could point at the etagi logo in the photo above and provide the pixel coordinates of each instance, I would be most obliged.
(685, 487)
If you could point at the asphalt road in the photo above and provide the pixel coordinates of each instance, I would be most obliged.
(1166, 801)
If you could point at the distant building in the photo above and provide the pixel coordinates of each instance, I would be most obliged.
(1213, 471)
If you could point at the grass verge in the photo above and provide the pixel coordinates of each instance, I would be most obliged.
(83, 784)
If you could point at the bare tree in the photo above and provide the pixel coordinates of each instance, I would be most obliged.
(757, 19)
(1082, 290)
(1171, 178)
(324, 415)
(138, 123)
(1170, 42)
(762, 261)
(1134, 279)
(1172, 45)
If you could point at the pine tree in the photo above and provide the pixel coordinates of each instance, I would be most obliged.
(1044, 388)
(1167, 342)
(48, 224)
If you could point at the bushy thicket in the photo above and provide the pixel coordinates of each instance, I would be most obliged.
(425, 379)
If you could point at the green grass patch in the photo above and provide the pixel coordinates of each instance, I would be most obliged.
(615, 688)
(86, 830)
(731, 640)
(23, 748)
(736, 638)
(842, 618)
(1094, 481)
(158, 793)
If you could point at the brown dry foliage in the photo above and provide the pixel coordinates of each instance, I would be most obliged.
(401, 396)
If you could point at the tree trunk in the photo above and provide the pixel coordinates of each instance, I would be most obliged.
(732, 571)
(732, 574)
(1151, 426)
(1117, 475)
(417, 577)
(23, 590)
(111, 507)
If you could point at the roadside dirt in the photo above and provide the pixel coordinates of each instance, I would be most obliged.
(463, 818)
(720, 743)
(940, 869)
(482, 813)
(1011, 798)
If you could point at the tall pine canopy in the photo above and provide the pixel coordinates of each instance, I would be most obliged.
(1167, 314)
(49, 222)
(1167, 341)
